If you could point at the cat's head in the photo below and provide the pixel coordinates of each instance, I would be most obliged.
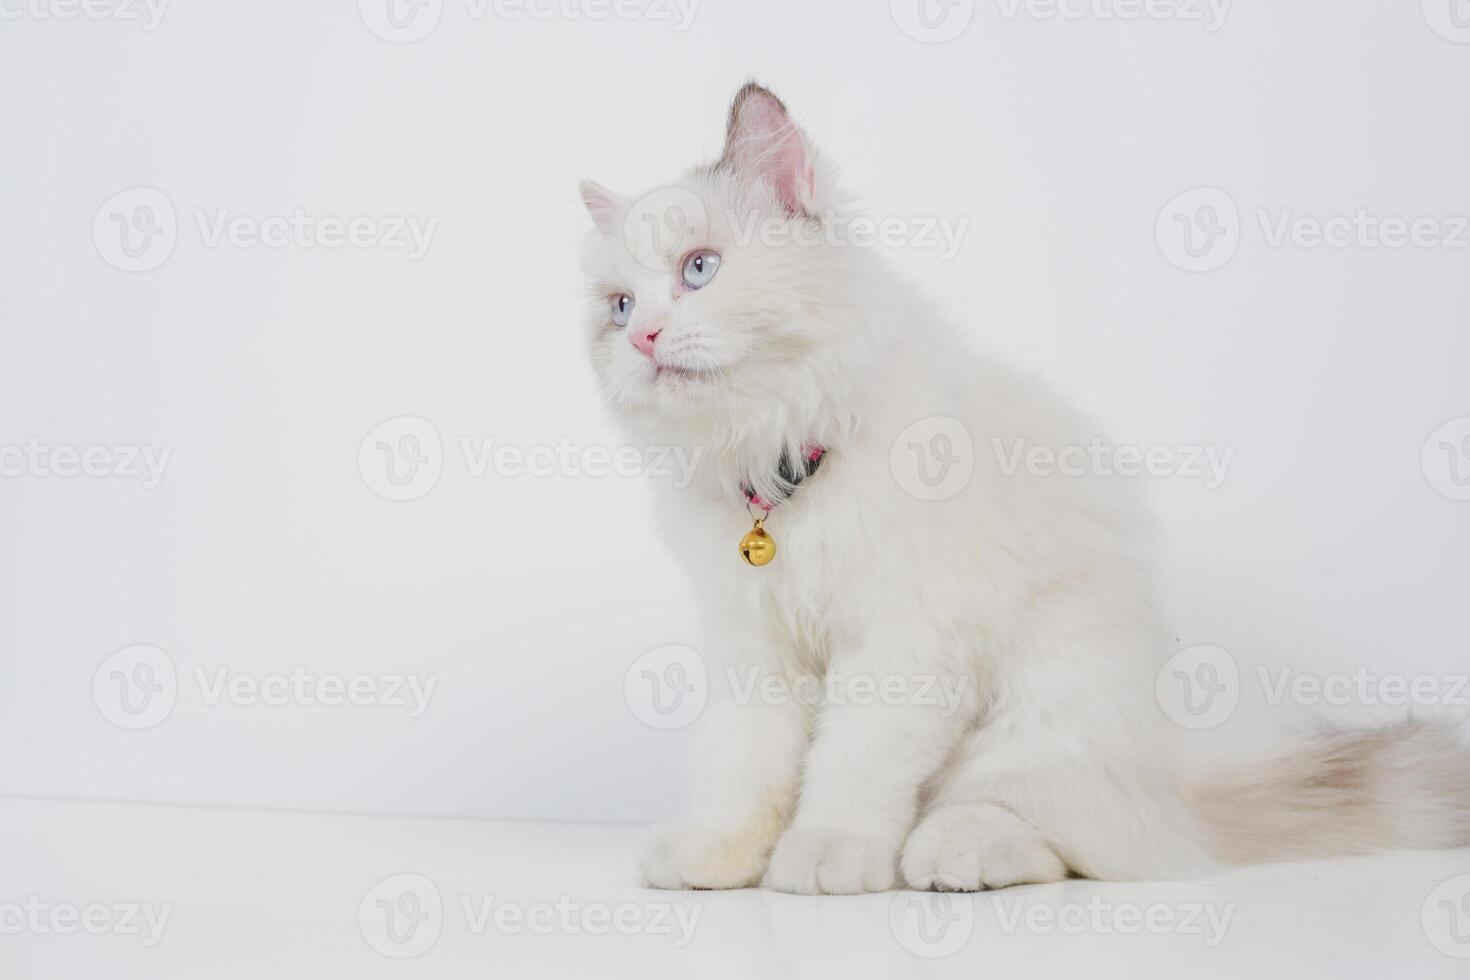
(715, 301)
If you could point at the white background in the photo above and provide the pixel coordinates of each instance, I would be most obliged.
(1061, 140)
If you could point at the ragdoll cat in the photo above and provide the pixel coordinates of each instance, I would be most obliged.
(725, 319)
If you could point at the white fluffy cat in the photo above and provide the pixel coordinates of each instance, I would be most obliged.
(725, 319)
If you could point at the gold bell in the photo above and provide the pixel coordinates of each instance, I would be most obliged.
(757, 547)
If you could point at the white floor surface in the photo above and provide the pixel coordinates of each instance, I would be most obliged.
(120, 890)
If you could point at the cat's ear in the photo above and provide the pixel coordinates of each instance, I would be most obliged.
(605, 207)
(763, 145)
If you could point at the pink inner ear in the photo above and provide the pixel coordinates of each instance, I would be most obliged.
(605, 207)
(765, 145)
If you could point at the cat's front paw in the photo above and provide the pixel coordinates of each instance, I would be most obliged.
(681, 857)
(969, 848)
(830, 862)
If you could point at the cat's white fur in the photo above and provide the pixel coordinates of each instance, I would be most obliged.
(1033, 592)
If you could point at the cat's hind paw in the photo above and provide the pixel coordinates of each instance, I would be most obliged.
(969, 848)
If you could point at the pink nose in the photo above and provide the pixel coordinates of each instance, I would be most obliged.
(643, 338)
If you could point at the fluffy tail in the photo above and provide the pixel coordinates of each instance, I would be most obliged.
(1406, 786)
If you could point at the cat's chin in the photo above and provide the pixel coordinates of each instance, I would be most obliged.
(682, 398)
(677, 390)
(675, 376)
(665, 392)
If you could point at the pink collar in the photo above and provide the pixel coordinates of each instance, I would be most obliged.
(789, 477)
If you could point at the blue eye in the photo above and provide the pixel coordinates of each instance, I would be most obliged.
(700, 268)
(622, 310)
